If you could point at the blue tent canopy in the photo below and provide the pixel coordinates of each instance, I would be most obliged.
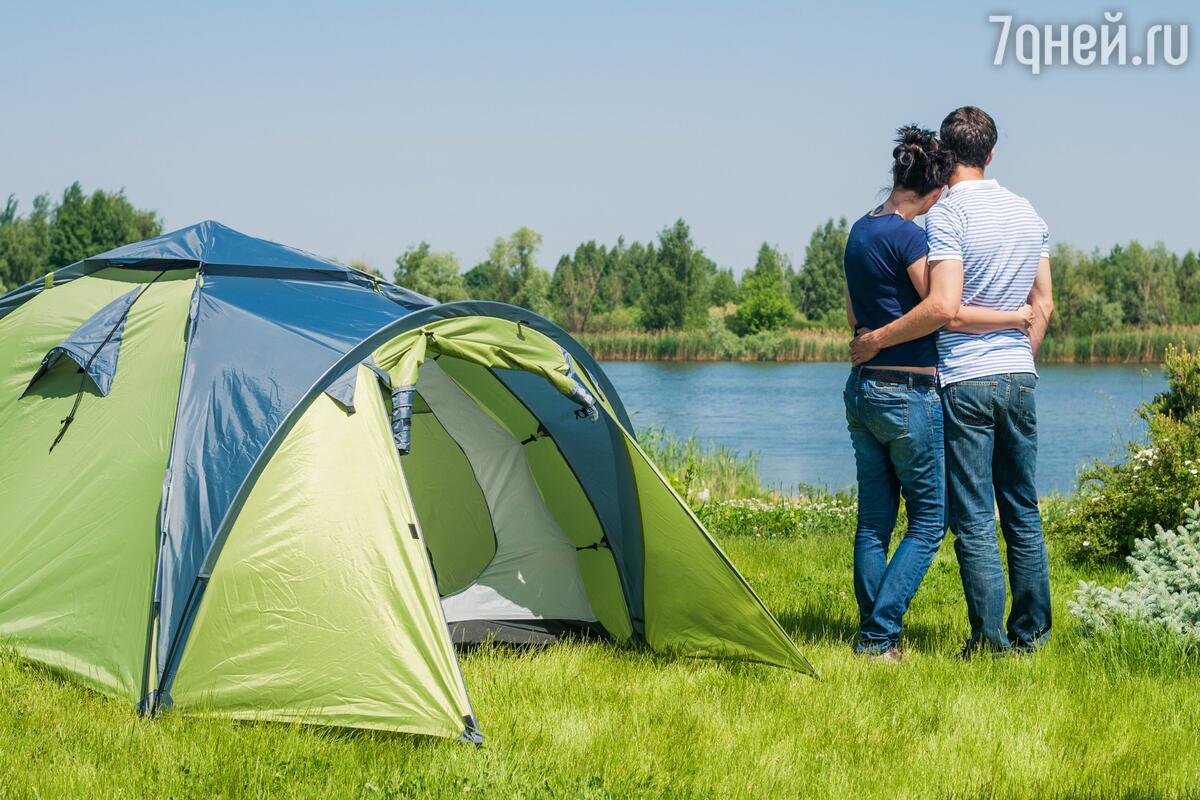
(212, 243)
(306, 319)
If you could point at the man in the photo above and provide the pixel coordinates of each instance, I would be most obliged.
(988, 384)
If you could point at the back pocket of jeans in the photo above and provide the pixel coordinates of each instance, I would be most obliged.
(972, 402)
(885, 414)
(1026, 410)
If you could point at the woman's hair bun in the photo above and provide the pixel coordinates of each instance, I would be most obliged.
(919, 162)
(915, 134)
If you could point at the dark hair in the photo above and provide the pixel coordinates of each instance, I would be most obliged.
(970, 134)
(920, 162)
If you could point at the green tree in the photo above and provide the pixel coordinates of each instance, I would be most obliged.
(431, 273)
(724, 288)
(480, 282)
(1189, 289)
(24, 243)
(511, 274)
(1151, 272)
(818, 290)
(79, 226)
(531, 283)
(676, 293)
(1081, 307)
(587, 282)
(765, 304)
(84, 225)
(1141, 280)
(632, 264)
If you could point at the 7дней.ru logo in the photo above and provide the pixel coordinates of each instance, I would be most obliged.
(1040, 46)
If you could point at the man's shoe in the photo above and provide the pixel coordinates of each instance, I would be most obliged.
(890, 656)
(982, 649)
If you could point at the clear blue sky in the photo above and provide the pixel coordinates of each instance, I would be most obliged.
(356, 129)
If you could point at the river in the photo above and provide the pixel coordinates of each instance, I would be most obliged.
(792, 415)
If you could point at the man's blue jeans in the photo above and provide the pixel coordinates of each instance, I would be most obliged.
(991, 456)
(895, 421)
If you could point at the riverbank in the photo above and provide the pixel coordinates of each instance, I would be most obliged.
(1131, 346)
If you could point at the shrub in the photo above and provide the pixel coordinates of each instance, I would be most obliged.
(622, 318)
(1102, 521)
(765, 303)
(1164, 591)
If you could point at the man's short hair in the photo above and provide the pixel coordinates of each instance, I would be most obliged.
(969, 133)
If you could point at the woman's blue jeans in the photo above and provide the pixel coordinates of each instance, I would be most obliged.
(895, 422)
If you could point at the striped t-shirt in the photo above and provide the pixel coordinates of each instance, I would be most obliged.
(999, 238)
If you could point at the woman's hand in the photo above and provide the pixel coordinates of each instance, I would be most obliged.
(977, 320)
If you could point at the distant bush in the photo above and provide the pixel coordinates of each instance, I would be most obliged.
(1104, 518)
(623, 318)
(765, 302)
(1165, 589)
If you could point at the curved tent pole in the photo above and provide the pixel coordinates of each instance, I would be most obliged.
(489, 308)
(361, 351)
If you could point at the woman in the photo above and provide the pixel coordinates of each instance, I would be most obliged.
(892, 405)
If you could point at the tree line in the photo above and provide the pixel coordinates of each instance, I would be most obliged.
(664, 284)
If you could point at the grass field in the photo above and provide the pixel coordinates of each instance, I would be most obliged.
(1118, 716)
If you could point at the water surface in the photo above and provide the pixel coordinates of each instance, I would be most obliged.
(792, 414)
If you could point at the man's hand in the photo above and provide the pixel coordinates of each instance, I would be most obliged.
(864, 347)
(1028, 317)
(1041, 297)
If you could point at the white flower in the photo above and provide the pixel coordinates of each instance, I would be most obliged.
(702, 495)
(1087, 543)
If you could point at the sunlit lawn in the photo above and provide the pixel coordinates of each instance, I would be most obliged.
(1116, 717)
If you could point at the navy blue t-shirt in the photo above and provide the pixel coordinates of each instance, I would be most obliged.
(878, 254)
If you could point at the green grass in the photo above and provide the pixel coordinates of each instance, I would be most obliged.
(1122, 346)
(703, 470)
(702, 345)
(1127, 346)
(1083, 718)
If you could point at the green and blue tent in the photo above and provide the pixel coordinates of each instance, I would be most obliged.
(241, 480)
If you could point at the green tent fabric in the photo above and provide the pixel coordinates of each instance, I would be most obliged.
(260, 486)
(77, 543)
(322, 607)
